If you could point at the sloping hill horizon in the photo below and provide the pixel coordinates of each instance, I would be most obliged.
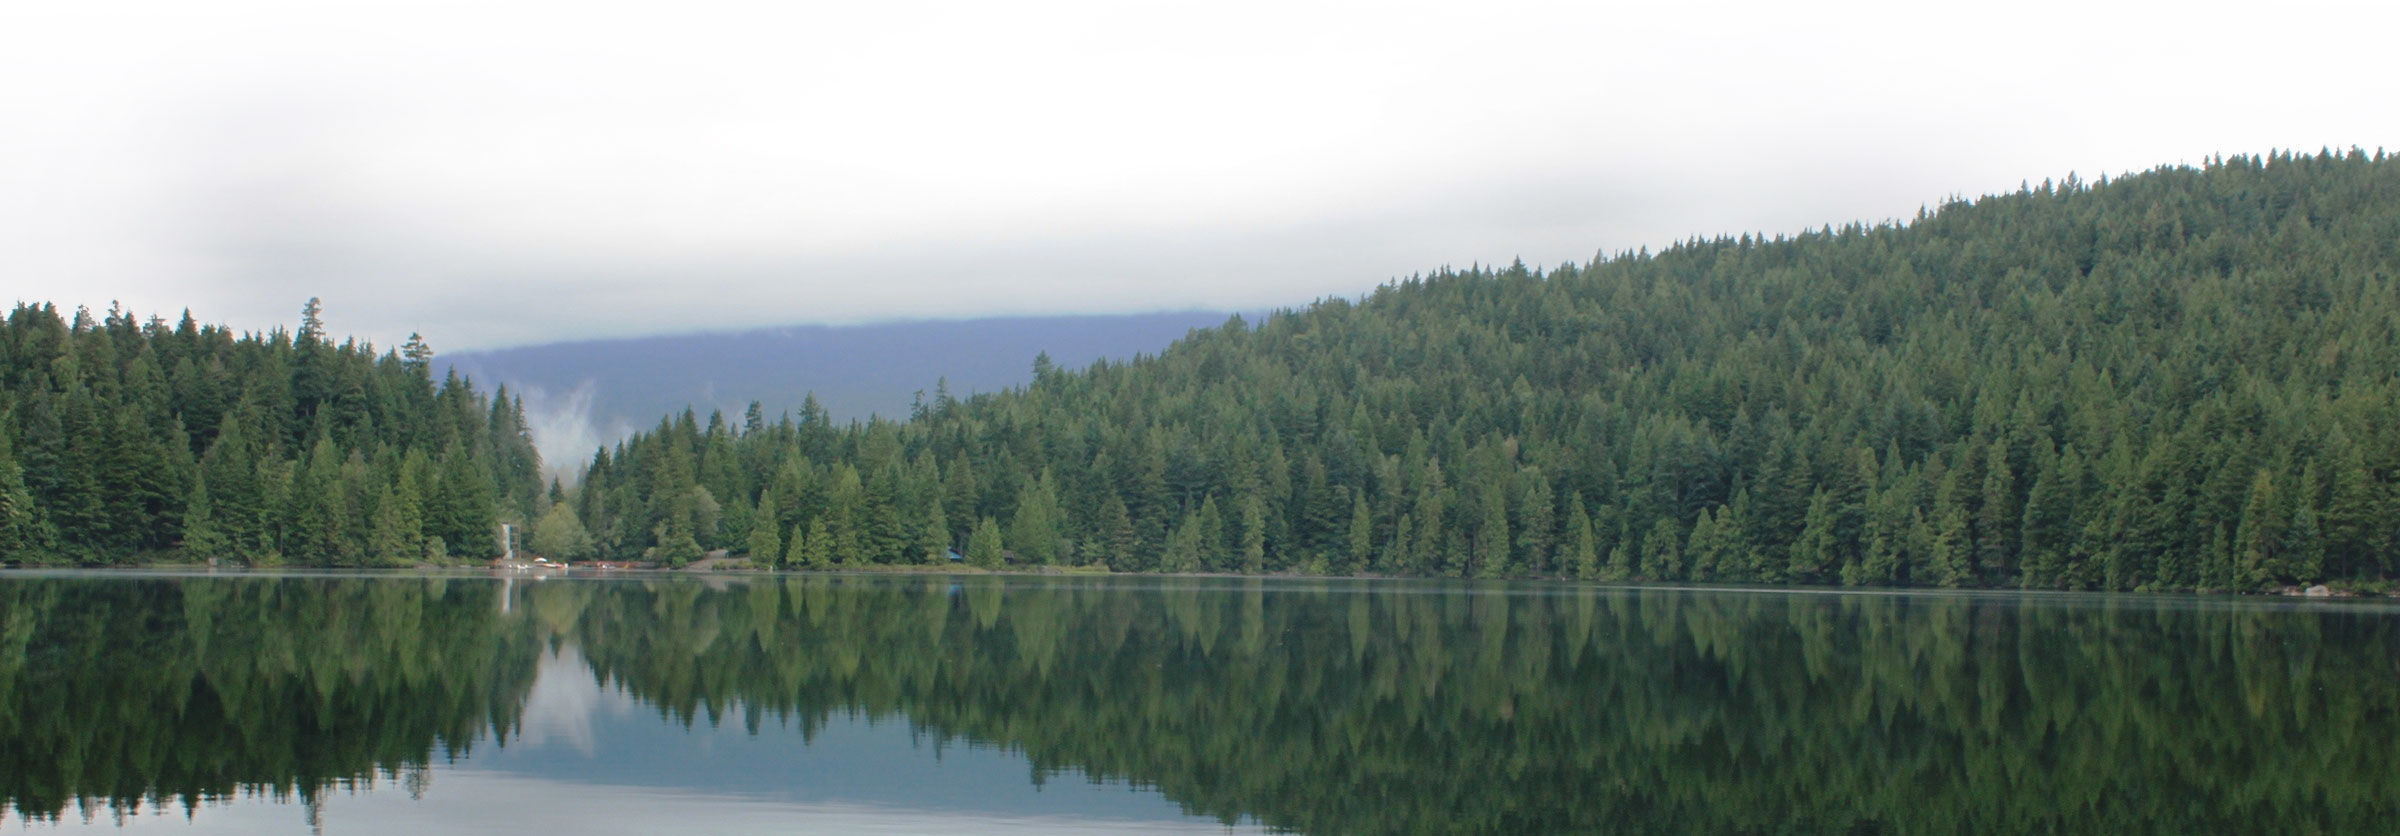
(2177, 379)
(585, 393)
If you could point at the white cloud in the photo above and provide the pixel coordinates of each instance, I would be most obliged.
(509, 172)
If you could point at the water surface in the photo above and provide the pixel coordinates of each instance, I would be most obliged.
(875, 704)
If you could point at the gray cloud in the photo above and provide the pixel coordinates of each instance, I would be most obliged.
(516, 172)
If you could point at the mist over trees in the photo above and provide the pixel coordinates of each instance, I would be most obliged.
(2179, 379)
(121, 439)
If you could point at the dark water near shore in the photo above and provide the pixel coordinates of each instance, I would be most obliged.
(887, 704)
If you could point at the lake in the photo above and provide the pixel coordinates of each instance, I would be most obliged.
(409, 703)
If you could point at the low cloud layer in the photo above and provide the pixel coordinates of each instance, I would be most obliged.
(506, 173)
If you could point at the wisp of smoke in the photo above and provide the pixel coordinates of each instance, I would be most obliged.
(564, 431)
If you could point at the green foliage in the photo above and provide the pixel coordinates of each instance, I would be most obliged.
(1460, 713)
(127, 438)
(1033, 531)
(766, 543)
(2070, 386)
(984, 547)
(251, 685)
(561, 536)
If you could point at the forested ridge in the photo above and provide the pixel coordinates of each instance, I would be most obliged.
(123, 440)
(2179, 379)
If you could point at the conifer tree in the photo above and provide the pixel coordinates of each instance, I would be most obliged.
(2258, 544)
(933, 541)
(1182, 550)
(1492, 541)
(1208, 537)
(984, 548)
(1662, 551)
(1816, 551)
(1536, 527)
(1999, 519)
(1363, 556)
(766, 543)
(1254, 537)
(1117, 537)
(1952, 562)
(386, 544)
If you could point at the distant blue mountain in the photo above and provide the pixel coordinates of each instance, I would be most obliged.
(581, 394)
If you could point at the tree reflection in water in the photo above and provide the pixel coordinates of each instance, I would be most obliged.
(1319, 707)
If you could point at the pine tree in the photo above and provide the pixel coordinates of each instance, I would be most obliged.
(819, 550)
(387, 545)
(766, 543)
(984, 548)
(1536, 526)
(204, 536)
(1583, 549)
(1662, 551)
(1119, 543)
(2047, 531)
(1492, 541)
(2258, 543)
(1707, 547)
(17, 540)
(2303, 545)
(1254, 538)
(1182, 551)
(1209, 538)
(1815, 552)
(933, 539)
(2352, 514)
(1999, 520)
(1952, 561)
(1363, 556)
(1033, 532)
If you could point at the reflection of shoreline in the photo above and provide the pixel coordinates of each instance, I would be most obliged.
(582, 730)
(2290, 598)
(1320, 706)
(473, 801)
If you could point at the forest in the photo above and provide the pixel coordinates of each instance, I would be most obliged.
(128, 441)
(2180, 379)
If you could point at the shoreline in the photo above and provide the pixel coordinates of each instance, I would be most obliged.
(2314, 594)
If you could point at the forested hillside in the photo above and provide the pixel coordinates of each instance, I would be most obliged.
(2181, 379)
(121, 439)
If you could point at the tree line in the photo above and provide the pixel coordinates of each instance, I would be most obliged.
(123, 439)
(2177, 379)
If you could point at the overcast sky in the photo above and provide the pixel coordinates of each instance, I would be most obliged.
(500, 172)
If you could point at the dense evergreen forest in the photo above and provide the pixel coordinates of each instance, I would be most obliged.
(2179, 379)
(122, 440)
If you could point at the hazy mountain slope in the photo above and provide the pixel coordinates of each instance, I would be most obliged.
(580, 394)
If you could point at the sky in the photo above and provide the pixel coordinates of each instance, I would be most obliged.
(503, 172)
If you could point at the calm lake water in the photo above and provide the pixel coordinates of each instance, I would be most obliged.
(367, 704)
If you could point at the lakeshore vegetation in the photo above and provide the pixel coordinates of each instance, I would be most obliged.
(125, 441)
(2186, 378)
